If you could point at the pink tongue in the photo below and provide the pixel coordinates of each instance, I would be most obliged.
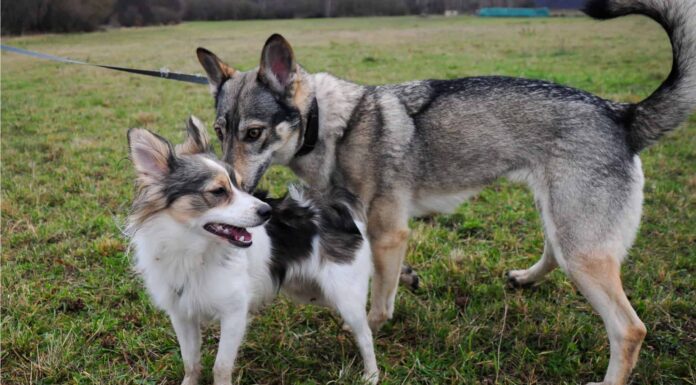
(240, 234)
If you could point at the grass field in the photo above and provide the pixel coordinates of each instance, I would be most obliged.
(73, 312)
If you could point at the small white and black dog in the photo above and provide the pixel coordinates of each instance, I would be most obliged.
(203, 253)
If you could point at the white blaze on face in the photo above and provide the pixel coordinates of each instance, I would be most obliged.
(218, 169)
(285, 148)
(242, 209)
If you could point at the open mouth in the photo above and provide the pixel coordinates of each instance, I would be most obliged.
(234, 235)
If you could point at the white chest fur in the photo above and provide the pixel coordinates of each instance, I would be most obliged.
(188, 272)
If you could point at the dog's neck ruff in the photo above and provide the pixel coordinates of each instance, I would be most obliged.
(311, 132)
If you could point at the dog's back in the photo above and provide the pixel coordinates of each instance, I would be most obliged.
(312, 236)
(320, 255)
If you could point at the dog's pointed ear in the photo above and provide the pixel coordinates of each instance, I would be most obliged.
(197, 139)
(278, 68)
(151, 154)
(215, 68)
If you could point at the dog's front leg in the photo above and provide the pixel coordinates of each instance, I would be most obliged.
(232, 329)
(388, 230)
(188, 332)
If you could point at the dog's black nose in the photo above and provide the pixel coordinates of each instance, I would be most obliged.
(264, 211)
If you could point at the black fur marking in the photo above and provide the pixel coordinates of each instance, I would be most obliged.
(230, 172)
(353, 119)
(231, 116)
(634, 144)
(233, 120)
(292, 229)
(257, 177)
(478, 84)
(378, 134)
(185, 180)
(598, 9)
(472, 86)
(219, 91)
(311, 130)
(194, 134)
(339, 236)
(285, 113)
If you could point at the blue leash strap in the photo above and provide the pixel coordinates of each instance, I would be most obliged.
(163, 74)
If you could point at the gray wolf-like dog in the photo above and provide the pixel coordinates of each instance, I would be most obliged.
(423, 147)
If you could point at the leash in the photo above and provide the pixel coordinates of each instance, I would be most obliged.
(311, 133)
(162, 73)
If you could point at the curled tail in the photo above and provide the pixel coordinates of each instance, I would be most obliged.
(675, 99)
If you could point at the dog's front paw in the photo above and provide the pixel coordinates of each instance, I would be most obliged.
(346, 328)
(222, 375)
(190, 380)
(371, 378)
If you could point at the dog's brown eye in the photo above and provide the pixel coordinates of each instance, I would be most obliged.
(219, 192)
(253, 134)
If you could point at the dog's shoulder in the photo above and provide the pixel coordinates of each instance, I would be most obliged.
(415, 96)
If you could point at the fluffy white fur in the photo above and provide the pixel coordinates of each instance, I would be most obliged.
(196, 276)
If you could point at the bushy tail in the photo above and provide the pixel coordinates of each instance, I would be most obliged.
(675, 99)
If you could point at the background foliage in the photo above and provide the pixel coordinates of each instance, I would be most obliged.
(87, 15)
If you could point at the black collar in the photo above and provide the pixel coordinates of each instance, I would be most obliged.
(311, 133)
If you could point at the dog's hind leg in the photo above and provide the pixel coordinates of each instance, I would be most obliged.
(188, 332)
(352, 310)
(598, 278)
(547, 262)
(528, 277)
(388, 231)
(591, 221)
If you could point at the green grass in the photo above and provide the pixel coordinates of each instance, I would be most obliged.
(73, 312)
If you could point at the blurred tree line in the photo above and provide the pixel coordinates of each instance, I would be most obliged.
(23, 16)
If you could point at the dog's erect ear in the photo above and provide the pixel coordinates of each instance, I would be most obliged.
(216, 69)
(197, 139)
(278, 68)
(152, 155)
